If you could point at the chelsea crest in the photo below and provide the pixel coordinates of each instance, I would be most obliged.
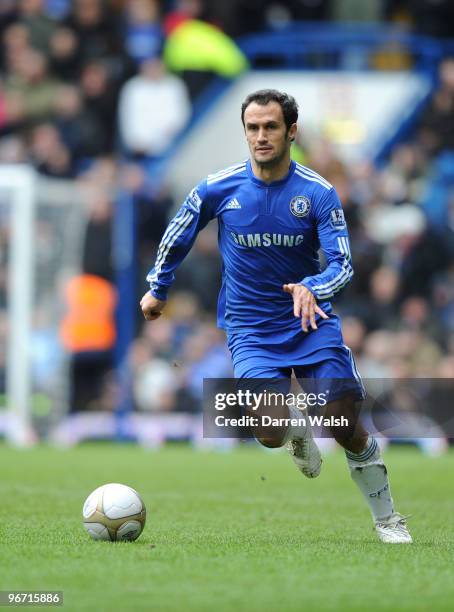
(300, 206)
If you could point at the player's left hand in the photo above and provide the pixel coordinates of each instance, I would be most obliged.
(304, 305)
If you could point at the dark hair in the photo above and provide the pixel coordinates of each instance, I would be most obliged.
(264, 96)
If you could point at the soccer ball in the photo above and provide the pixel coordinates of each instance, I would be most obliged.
(114, 512)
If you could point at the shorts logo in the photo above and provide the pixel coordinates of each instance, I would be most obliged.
(337, 219)
(300, 206)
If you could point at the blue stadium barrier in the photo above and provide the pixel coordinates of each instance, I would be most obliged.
(125, 264)
(306, 45)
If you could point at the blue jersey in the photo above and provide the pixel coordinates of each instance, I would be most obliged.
(269, 235)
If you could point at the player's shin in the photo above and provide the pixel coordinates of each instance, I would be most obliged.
(301, 446)
(299, 427)
(369, 473)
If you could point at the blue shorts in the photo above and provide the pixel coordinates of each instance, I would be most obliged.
(319, 356)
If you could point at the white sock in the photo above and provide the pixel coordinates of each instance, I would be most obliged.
(369, 472)
(296, 431)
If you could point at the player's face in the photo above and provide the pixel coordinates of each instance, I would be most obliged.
(266, 133)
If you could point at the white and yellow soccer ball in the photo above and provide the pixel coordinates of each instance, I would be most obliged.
(114, 512)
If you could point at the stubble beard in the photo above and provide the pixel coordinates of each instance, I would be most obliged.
(272, 162)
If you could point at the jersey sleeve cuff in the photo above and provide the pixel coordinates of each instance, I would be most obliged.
(160, 293)
(308, 283)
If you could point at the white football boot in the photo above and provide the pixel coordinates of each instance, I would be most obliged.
(393, 530)
(305, 454)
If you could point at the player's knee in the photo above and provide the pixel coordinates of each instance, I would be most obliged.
(343, 433)
(352, 437)
(346, 414)
(270, 441)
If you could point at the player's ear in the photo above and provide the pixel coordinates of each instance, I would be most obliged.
(292, 132)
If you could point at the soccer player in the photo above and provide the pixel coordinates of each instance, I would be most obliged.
(274, 215)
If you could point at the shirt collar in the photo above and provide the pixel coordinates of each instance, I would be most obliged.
(281, 181)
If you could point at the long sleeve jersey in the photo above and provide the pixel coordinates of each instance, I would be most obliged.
(269, 234)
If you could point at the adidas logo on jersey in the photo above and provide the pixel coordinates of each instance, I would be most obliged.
(233, 204)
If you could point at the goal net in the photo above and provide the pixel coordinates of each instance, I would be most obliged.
(42, 226)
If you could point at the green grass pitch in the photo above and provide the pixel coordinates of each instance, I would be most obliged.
(240, 531)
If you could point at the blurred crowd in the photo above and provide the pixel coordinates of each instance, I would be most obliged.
(90, 78)
(89, 89)
(86, 79)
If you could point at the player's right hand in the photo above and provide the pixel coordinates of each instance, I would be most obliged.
(151, 307)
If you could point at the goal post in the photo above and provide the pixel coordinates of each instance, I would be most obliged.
(19, 183)
(44, 221)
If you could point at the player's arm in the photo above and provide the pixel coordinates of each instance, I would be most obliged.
(333, 238)
(175, 244)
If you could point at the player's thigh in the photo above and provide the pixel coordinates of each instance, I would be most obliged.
(264, 380)
(337, 383)
(268, 388)
(335, 376)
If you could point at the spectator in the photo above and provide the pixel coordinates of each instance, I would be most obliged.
(97, 258)
(79, 128)
(144, 34)
(423, 257)
(204, 355)
(38, 24)
(100, 97)
(184, 310)
(443, 301)
(88, 333)
(65, 54)
(8, 13)
(155, 381)
(376, 358)
(13, 150)
(198, 50)
(154, 107)
(95, 30)
(161, 338)
(436, 128)
(184, 10)
(203, 271)
(32, 86)
(15, 39)
(400, 180)
(58, 9)
(415, 313)
(417, 352)
(48, 152)
(152, 209)
(354, 332)
(382, 308)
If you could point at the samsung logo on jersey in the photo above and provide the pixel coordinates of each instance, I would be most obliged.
(266, 240)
